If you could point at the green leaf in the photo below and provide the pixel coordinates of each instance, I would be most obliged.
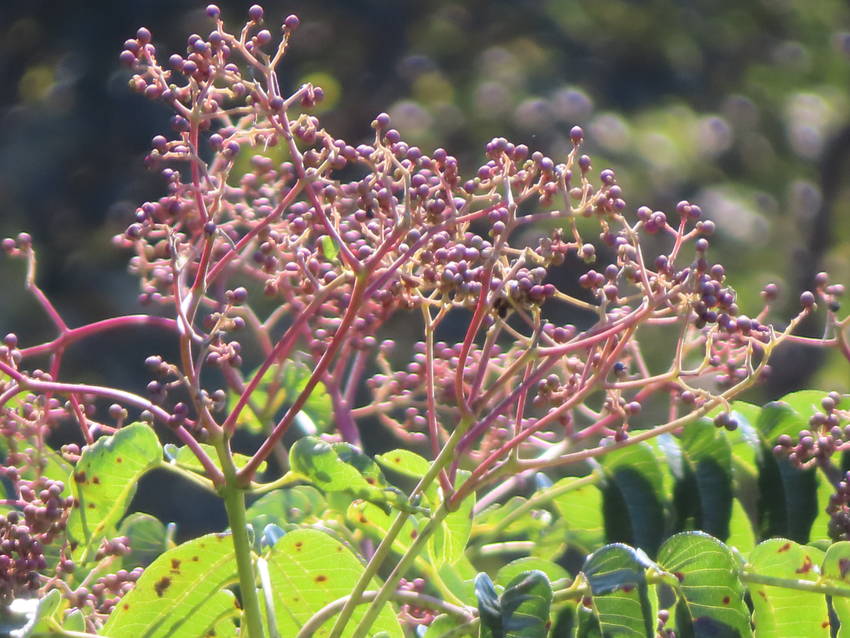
(820, 527)
(105, 480)
(441, 625)
(147, 539)
(585, 623)
(788, 504)
(489, 607)
(292, 505)
(404, 462)
(183, 457)
(836, 571)
(581, 509)
(181, 593)
(782, 612)
(343, 468)
(741, 534)
(712, 595)
(448, 543)
(708, 461)
(528, 563)
(620, 595)
(39, 624)
(633, 502)
(309, 569)
(525, 606)
(329, 248)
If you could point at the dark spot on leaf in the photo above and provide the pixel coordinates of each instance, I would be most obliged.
(762, 594)
(161, 585)
(680, 576)
(118, 459)
(321, 578)
(95, 480)
(296, 599)
(175, 565)
(80, 477)
(195, 559)
(363, 519)
(339, 548)
(126, 606)
(414, 534)
(627, 588)
(370, 480)
(784, 548)
(397, 459)
(726, 600)
(587, 602)
(806, 566)
(825, 624)
(91, 506)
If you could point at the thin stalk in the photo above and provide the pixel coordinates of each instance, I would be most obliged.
(384, 547)
(234, 505)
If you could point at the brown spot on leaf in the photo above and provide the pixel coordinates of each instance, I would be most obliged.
(161, 585)
(784, 548)
(195, 559)
(91, 506)
(175, 565)
(397, 459)
(80, 477)
(414, 534)
(363, 519)
(726, 600)
(126, 606)
(680, 576)
(762, 594)
(806, 566)
(825, 624)
(371, 480)
(627, 588)
(321, 578)
(95, 480)
(118, 459)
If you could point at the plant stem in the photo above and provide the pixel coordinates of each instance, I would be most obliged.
(383, 549)
(234, 504)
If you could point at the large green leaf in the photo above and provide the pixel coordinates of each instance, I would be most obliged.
(620, 598)
(634, 498)
(105, 480)
(309, 569)
(707, 466)
(525, 606)
(180, 593)
(711, 594)
(375, 523)
(581, 509)
(489, 608)
(782, 612)
(343, 468)
(836, 571)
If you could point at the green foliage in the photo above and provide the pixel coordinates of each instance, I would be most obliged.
(182, 593)
(105, 479)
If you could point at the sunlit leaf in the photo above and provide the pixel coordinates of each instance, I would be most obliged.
(712, 595)
(782, 612)
(180, 593)
(105, 480)
(309, 569)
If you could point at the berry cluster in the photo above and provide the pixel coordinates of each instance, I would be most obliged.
(818, 444)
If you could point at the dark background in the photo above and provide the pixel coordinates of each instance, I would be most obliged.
(739, 106)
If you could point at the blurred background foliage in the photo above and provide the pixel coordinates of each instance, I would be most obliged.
(740, 106)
